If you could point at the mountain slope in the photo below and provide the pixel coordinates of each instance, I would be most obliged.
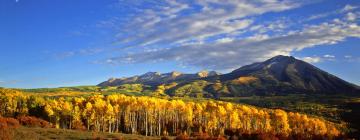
(276, 76)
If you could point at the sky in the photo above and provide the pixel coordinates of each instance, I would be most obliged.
(56, 43)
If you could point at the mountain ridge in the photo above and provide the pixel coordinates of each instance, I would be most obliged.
(277, 75)
(156, 78)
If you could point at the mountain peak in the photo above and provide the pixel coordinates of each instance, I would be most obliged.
(151, 74)
(175, 73)
(288, 74)
(281, 58)
(203, 73)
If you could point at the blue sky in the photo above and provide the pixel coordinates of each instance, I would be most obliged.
(53, 43)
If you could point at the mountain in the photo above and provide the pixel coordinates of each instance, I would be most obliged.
(156, 78)
(286, 74)
(276, 76)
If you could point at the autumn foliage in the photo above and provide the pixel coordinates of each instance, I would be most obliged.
(7, 126)
(244, 80)
(33, 122)
(9, 123)
(162, 117)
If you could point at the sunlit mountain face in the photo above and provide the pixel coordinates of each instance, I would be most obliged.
(180, 69)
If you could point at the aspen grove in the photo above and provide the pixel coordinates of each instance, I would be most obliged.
(153, 116)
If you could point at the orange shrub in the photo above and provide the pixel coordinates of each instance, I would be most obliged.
(182, 137)
(33, 122)
(78, 125)
(244, 80)
(7, 126)
(201, 136)
(267, 136)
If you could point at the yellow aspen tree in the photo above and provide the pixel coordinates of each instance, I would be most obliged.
(222, 117)
(117, 117)
(229, 108)
(99, 107)
(88, 114)
(267, 125)
(66, 108)
(234, 120)
(189, 115)
(281, 122)
(109, 113)
(76, 115)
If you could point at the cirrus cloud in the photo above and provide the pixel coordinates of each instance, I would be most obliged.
(311, 59)
(223, 35)
(178, 23)
(243, 51)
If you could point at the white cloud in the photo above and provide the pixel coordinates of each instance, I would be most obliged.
(318, 16)
(273, 26)
(346, 9)
(311, 59)
(348, 56)
(349, 7)
(225, 40)
(329, 56)
(224, 35)
(351, 16)
(220, 56)
(167, 25)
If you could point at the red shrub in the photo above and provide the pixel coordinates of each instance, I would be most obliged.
(7, 126)
(205, 136)
(78, 125)
(201, 136)
(9, 123)
(182, 137)
(33, 122)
